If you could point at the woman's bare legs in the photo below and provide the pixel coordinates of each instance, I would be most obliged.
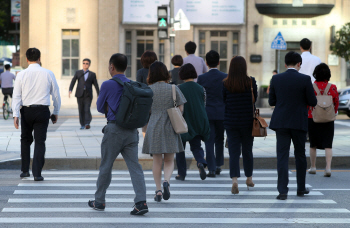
(157, 171)
(313, 157)
(168, 166)
(329, 154)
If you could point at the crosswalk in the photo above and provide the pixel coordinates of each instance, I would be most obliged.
(62, 199)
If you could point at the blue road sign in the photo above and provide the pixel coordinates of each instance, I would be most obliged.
(279, 43)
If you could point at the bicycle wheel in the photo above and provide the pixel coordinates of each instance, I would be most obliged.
(5, 110)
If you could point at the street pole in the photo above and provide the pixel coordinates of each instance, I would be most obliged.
(172, 32)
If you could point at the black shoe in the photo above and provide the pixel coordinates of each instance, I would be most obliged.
(202, 173)
(181, 178)
(157, 197)
(211, 174)
(282, 197)
(218, 170)
(38, 178)
(96, 206)
(302, 193)
(166, 191)
(25, 174)
(140, 208)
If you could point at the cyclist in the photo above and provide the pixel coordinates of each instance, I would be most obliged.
(6, 80)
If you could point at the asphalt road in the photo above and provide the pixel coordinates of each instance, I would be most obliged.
(61, 201)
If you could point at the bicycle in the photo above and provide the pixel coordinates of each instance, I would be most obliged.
(6, 109)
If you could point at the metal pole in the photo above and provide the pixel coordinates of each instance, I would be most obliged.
(172, 32)
(278, 60)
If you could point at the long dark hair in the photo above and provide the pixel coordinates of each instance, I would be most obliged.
(237, 80)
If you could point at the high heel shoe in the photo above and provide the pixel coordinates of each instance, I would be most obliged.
(312, 170)
(166, 194)
(249, 183)
(234, 189)
(157, 197)
(327, 173)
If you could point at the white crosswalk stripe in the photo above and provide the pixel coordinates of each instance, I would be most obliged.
(62, 199)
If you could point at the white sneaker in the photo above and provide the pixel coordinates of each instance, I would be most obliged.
(312, 170)
(327, 173)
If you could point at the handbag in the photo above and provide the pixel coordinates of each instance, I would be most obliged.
(259, 124)
(177, 120)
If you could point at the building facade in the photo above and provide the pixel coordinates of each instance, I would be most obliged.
(68, 31)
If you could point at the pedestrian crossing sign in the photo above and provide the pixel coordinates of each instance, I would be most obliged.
(279, 43)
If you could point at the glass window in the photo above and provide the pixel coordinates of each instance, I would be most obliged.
(303, 22)
(128, 53)
(214, 33)
(215, 46)
(223, 49)
(70, 52)
(275, 22)
(313, 22)
(285, 22)
(161, 51)
(294, 22)
(202, 45)
(235, 44)
(140, 47)
(149, 33)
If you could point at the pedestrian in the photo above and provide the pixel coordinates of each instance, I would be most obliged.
(197, 62)
(6, 81)
(161, 139)
(309, 61)
(118, 140)
(196, 119)
(268, 88)
(238, 121)
(321, 134)
(83, 93)
(177, 61)
(215, 108)
(147, 58)
(33, 87)
(290, 93)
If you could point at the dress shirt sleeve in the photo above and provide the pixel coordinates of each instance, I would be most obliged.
(102, 99)
(205, 69)
(17, 96)
(55, 93)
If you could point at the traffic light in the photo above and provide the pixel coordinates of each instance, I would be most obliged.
(162, 13)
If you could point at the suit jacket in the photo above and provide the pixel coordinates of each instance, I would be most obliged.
(291, 93)
(212, 82)
(79, 75)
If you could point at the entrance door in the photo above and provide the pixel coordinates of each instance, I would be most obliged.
(280, 54)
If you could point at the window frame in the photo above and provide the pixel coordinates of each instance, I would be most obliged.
(70, 57)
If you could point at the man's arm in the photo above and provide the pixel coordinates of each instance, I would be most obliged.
(17, 101)
(102, 99)
(205, 69)
(96, 85)
(74, 79)
(55, 93)
(310, 94)
(272, 94)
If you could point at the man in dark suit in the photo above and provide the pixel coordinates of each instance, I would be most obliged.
(84, 92)
(215, 107)
(291, 93)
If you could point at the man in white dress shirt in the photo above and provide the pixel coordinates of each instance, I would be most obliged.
(309, 61)
(32, 90)
(196, 61)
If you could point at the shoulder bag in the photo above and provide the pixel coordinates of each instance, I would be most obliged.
(259, 124)
(177, 120)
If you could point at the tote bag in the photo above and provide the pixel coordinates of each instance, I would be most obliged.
(177, 120)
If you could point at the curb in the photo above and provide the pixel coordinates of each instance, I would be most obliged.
(339, 162)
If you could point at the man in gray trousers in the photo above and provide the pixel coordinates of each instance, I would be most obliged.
(118, 140)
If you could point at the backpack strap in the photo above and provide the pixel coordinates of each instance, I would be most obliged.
(325, 93)
(316, 89)
(118, 80)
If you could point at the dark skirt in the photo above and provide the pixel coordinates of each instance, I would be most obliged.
(321, 134)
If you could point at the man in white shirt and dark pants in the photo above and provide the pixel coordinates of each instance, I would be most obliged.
(33, 87)
(309, 61)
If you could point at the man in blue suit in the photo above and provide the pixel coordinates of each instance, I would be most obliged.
(291, 93)
(215, 107)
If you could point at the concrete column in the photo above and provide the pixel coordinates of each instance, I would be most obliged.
(24, 32)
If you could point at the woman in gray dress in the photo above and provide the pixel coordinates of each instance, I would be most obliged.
(161, 138)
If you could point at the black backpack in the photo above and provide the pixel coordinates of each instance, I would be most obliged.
(135, 104)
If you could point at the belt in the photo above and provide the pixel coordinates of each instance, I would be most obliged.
(35, 106)
(111, 121)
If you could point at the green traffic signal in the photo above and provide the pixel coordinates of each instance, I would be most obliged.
(162, 23)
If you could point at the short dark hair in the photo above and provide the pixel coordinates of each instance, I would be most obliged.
(177, 60)
(322, 72)
(212, 58)
(190, 47)
(157, 72)
(119, 61)
(147, 58)
(7, 66)
(187, 71)
(33, 54)
(86, 59)
(305, 44)
(292, 58)
(275, 71)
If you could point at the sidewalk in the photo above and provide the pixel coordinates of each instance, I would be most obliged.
(67, 147)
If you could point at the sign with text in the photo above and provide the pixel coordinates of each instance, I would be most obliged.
(214, 12)
(15, 11)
